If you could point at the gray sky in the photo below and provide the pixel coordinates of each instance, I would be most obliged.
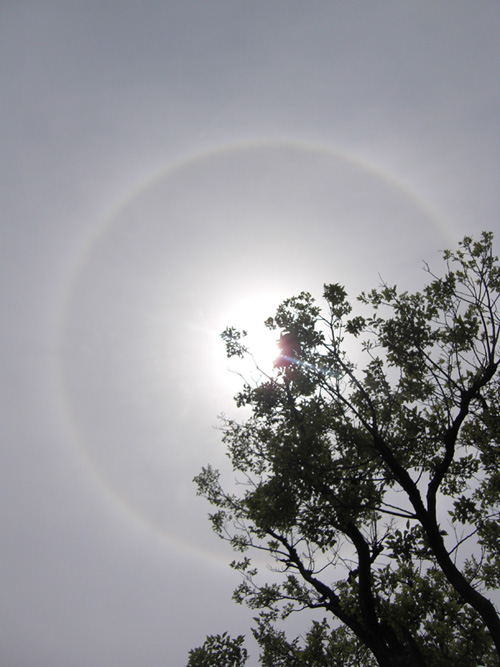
(170, 168)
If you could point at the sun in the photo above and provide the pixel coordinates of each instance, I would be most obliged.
(249, 314)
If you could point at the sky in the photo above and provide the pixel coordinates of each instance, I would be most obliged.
(171, 168)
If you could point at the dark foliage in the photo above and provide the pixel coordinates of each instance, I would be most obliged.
(373, 480)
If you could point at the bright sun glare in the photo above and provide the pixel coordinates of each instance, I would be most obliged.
(249, 314)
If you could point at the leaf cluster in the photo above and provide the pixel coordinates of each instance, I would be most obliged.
(220, 651)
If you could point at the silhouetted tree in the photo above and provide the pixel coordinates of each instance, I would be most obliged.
(374, 491)
(219, 651)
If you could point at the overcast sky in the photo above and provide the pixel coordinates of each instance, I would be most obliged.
(170, 167)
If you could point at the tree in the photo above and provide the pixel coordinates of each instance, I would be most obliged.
(219, 651)
(375, 491)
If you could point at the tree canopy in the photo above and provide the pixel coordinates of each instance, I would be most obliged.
(369, 472)
(219, 651)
